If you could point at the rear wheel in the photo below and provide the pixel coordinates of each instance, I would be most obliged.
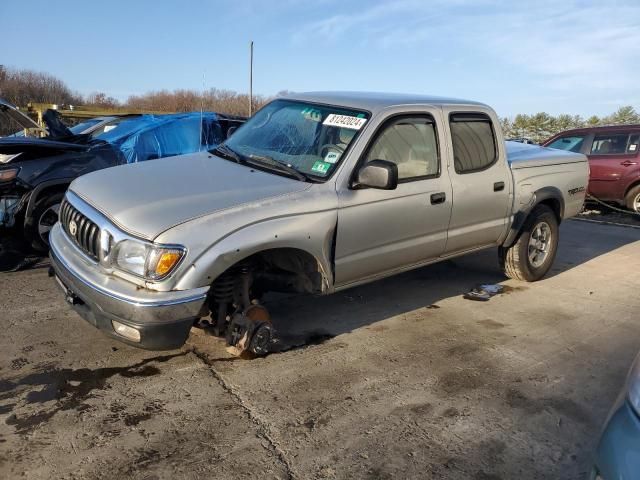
(632, 199)
(44, 217)
(531, 257)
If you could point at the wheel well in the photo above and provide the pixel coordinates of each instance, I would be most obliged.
(60, 188)
(633, 185)
(38, 195)
(283, 270)
(555, 206)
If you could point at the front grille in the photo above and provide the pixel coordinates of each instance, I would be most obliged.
(86, 233)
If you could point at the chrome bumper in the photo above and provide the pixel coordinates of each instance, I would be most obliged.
(162, 318)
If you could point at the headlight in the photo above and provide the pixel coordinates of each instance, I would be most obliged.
(8, 174)
(634, 385)
(146, 260)
(6, 157)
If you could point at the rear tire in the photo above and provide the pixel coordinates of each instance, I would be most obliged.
(44, 216)
(632, 200)
(533, 253)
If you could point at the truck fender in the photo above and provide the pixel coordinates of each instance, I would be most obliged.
(311, 234)
(539, 196)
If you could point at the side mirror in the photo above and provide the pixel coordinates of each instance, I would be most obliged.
(381, 174)
(231, 130)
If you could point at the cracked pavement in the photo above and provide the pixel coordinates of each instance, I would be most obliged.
(402, 378)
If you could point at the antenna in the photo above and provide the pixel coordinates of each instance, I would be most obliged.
(251, 78)
(202, 110)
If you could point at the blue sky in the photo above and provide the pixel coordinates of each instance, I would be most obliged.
(520, 57)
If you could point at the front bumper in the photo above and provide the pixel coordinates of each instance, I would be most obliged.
(163, 319)
(618, 452)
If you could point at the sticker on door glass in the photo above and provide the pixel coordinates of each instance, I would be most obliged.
(321, 167)
(332, 157)
(344, 121)
(632, 147)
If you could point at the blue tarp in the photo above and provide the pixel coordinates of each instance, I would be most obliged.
(155, 136)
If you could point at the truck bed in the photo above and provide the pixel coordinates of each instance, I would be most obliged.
(534, 168)
(521, 155)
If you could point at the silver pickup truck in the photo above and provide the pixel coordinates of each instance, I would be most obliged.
(316, 193)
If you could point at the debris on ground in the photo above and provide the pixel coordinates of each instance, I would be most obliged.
(482, 293)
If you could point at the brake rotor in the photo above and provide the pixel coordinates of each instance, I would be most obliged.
(250, 332)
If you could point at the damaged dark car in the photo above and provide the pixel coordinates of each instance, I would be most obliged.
(35, 172)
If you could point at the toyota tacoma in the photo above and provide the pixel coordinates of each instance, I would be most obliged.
(316, 193)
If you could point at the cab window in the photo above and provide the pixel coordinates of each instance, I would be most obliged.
(410, 143)
(474, 143)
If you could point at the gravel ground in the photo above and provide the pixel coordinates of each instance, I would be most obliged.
(402, 378)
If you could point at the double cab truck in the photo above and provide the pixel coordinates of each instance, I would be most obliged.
(316, 193)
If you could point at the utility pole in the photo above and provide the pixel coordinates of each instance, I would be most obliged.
(251, 78)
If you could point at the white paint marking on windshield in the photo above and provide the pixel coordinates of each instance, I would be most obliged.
(344, 121)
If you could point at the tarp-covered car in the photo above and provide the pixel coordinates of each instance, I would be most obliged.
(35, 172)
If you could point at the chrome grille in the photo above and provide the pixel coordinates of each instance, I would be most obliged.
(86, 233)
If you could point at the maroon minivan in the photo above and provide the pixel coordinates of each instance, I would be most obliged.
(613, 160)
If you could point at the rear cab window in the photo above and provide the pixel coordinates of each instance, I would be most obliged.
(474, 142)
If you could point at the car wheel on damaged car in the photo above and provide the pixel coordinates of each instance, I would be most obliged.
(45, 215)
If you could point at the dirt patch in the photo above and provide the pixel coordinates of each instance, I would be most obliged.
(491, 324)
(563, 406)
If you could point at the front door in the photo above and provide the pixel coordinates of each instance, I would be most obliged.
(380, 231)
(481, 180)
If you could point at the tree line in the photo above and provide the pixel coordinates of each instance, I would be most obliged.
(21, 86)
(541, 126)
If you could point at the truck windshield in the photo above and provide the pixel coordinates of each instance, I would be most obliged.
(309, 138)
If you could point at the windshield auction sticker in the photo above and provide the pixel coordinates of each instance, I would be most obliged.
(321, 167)
(332, 157)
(344, 121)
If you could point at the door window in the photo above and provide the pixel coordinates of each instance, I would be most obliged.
(572, 144)
(410, 143)
(474, 143)
(614, 144)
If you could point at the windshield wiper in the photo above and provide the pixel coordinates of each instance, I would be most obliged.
(227, 152)
(283, 167)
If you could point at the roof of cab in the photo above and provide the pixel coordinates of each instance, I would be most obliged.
(374, 101)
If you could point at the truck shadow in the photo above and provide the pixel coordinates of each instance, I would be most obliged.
(305, 320)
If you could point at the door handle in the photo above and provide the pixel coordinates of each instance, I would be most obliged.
(498, 186)
(628, 163)
(437, 198)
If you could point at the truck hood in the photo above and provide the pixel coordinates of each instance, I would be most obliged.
(148, 198)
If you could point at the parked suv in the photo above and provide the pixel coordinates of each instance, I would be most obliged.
(613, 160)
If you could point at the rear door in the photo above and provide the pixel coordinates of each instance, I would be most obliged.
(612, 157)
(481, 181)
